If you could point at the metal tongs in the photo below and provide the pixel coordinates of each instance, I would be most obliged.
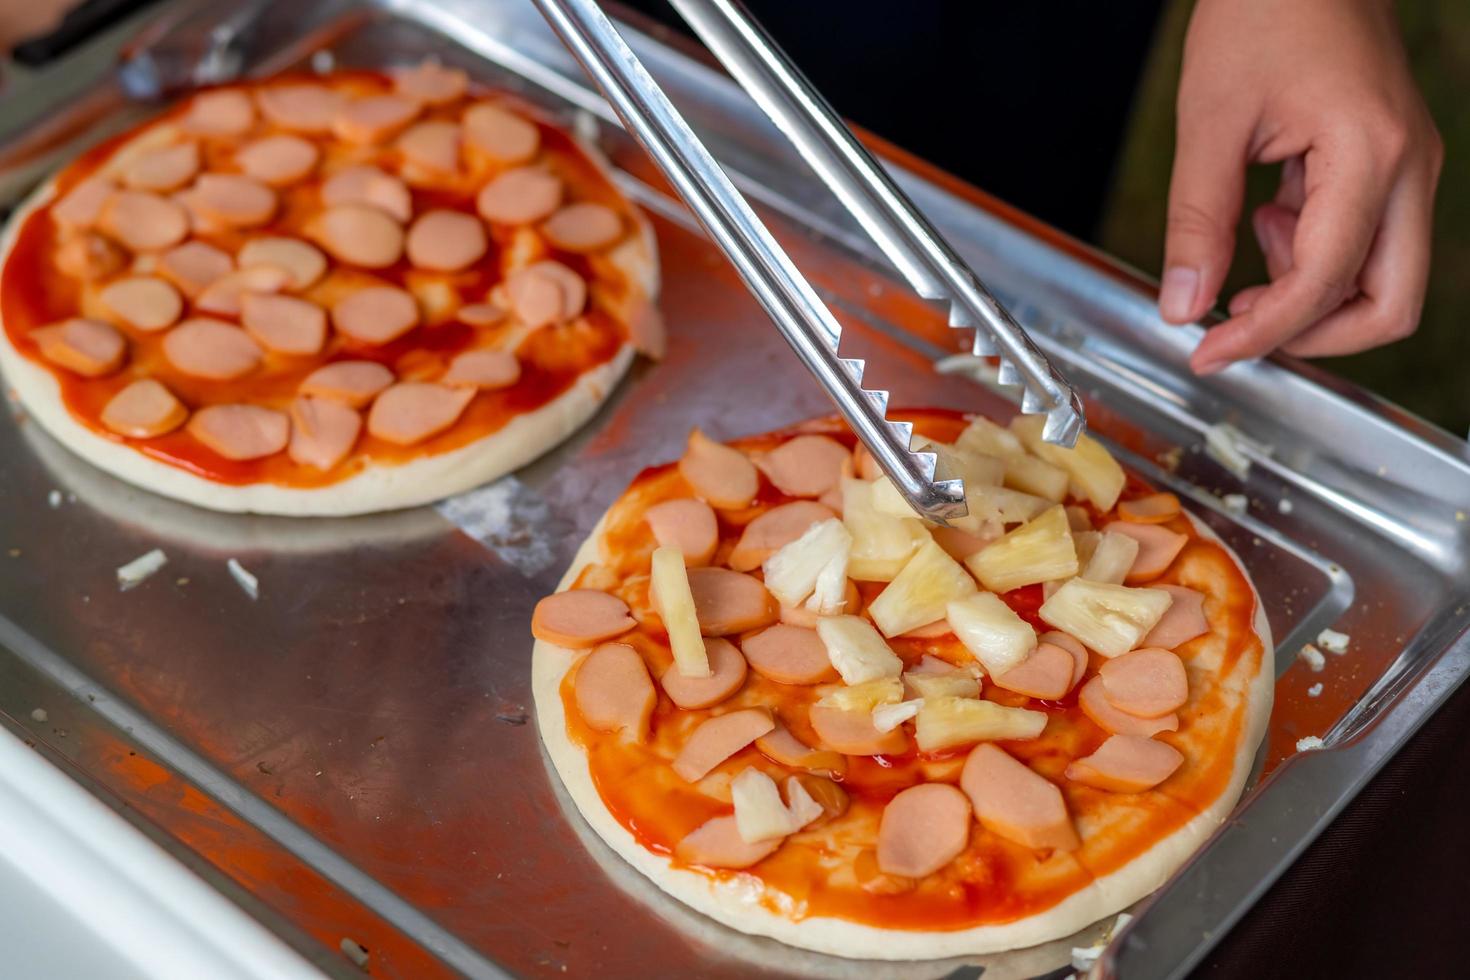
(926, 260)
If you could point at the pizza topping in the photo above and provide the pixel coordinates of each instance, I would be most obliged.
(857, 650)
(718, 738)
(958, 543)
(87, 347)
(882, 544)
(1012, 801)
(374, 118)
(1045, 673)
(772, 530)
(947, 722)
(88, 256)
(718, 844)
(781, 746)
(1112, 555)
(376, 314)
(789, 655)
(278, 160)
(445, 241)
(1093, 701)
(613, 690)
(241, 431)
(807, 466)
(1154, 508)
(685, 524)
(1036, 477)
(367, 185)
(143, 302)
(224, 295)
(1038, 551)
(922, 592)
(1090, 467)
(814, 565)
(727, 674)
(580, 618)
(1183, 621)
(143, 409)
(412, 411)
(1157, 549)
(302, 262)
(143, 221)
(501, 135)
(1126, 764)
(480, 314)
(759, 812)
(82, 206)
(233, 199)
(853, 733)
(323, 432)
(359, 234)
(1110, 619)
(935, 678)
(1147, 683)
(673, 600)
(727, 602)
(546, 292)
(284, 324)
(353, 383)
(303, 108)
(721, 476)
(992, 631)
(431, 82)
(1077, 650)
(212, 349)
(226, 113)
(583, 227)
(432, 146)
(194, 265)
(520, 196)
(484, 369)
(924, 828)
(163, 168)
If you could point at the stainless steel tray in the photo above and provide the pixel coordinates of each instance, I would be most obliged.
(350, 758)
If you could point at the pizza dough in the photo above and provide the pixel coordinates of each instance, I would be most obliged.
(339, 197)
(747, 901)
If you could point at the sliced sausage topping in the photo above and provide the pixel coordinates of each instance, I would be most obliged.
(1126, 764)
(519, 196)
(302, 108)
(446, 241)
(353, 383)
(87, 347)
(1045, 673)
(376, 314)
(580, 618)
(717, 844)
(228, 113)
(144, 409)
(719, 475)
(729, 602)
(359, 234)
(223, 296)
(143, 221)
(88, 256)
(1157, 549)
(773, 530)
(1182, 621)
(959, 544)
(278, 160)
(480, 314)
(727, 674)
(1147, 683)
(852, 732)
(241, 431)
(432, 146)
(923, 828)
(323, 432)
(807, 466)
(808, 619)
(718, 738)
(163, 168)
(374, 118)
(686, 524)
(143, 302)
(1014, 802)
(213, 349)
(284, 323)
(81, 206)
(789, 655)
(233, 199)
(431, 82)
(195, 265)
(485, 369)
(783, 747)
(501, 135)
(1093, 701)
(1155, 508)
(545, 292)
(613, 692)
(1076, 649)
(583, 227)
(371, 186)
(302, 262)
(412, 411)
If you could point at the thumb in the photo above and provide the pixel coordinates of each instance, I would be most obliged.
(1205, 194)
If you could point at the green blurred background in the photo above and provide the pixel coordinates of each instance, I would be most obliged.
(1429, 373)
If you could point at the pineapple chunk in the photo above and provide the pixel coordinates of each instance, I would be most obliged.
(856, 650)
(887, 500)
(992, 631)
(865, 696)
(1086, 544)
(887, 717)
(1111, 559)
(669, 588)
(829, 592)
(800, 803)
(944, 723)
(791, 573)
(956, 683)
(921, 592)
(1037, 551)
(955, 462)
(984, 436)
(759, 812)
(1110, 619)
(1001, 504)
(881, 543)
(1034, 476)
(1090, 467)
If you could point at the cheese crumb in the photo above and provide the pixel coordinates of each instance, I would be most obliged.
(1315, 690)
(137, 570)
(1284, 506)
(1332, 641)
(248, 583)
(1308, 744)
(1312, 657)
(53, 499)
(1224, 443)
(1236, 503)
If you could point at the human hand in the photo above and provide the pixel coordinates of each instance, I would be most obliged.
(1322, 86)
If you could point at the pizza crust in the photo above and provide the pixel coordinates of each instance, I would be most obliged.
(378, 487)
(733, 900)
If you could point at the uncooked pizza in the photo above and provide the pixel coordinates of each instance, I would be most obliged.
(802, 710)
(326, 294)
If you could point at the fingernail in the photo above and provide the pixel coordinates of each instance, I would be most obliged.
(1176, 296)
(1212, 367)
